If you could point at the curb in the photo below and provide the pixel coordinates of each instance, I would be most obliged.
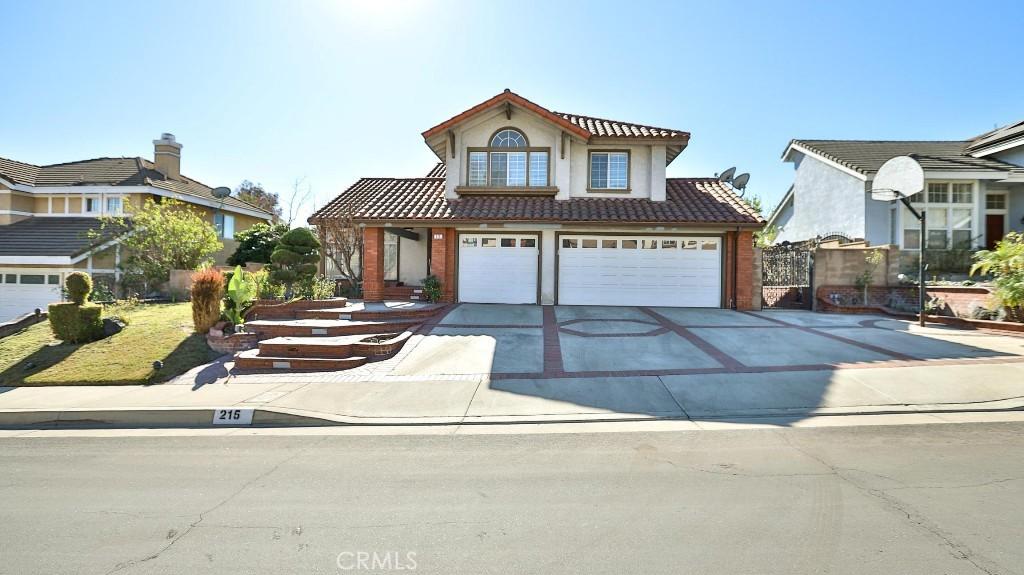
(202, 417)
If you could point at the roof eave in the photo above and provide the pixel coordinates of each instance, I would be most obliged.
(513, 98)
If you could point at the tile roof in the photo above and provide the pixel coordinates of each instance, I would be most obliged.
(616, 129)
(52, 236)
(111, 172)
(438, 171)
(688, 201)
(867, 156)
(997, 136)
(583, 126)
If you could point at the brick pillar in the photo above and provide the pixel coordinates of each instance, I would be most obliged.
(745, 271)
(727, 243)
(373, 264)
(442, 260)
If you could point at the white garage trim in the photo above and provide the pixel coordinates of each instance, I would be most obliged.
(506, 272)
(663, 269)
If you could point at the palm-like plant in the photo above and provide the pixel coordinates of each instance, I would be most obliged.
(1006, 264)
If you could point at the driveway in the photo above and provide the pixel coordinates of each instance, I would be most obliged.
(512, 341)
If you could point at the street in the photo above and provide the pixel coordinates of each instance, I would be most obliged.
(914, 499)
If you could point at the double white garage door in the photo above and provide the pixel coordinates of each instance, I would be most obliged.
(678, 271)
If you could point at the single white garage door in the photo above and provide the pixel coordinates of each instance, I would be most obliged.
(498, 268)
(676, 271)
(22, 293)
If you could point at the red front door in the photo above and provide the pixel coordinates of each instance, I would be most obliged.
(994, 226)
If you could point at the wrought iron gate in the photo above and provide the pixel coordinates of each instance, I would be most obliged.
(786, 276)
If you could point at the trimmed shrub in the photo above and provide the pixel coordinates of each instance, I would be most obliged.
(79, 286)
(73, 323)
(295, 258)
(207, 291)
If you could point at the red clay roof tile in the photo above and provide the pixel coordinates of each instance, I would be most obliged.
(688, 201)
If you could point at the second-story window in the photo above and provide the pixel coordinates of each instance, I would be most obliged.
(114, 206)
(609, 170)
(507, 162)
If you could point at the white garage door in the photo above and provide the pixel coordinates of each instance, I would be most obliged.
(678, 271)
(22, 293)
(498, 268)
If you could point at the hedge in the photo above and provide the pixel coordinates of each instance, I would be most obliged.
(73, 323)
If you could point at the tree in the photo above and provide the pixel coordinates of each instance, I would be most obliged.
(257, 243)
(171, 235)
(766, 235)
(295, 258)
(301, 194)
(343, 243)
(256, 195)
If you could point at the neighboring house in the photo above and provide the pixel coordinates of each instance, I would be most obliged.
(974, 191)
(47, 212)
(534, 206)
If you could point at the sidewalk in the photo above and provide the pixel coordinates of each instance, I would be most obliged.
(978, 386)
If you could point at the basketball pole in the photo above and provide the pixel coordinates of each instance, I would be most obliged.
(922, 243)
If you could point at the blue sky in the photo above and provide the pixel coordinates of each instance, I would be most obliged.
(329, 91)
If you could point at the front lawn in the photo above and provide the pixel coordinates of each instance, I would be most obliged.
(155, 331)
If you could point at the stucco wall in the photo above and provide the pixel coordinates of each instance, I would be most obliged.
(1013, 156)
(825, 200)
(412, 258)
(646, 170)
(877, 224)
(1015, 209)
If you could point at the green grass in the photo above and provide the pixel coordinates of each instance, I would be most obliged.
(155, 331)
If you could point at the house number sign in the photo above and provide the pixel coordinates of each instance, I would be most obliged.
(232, 416)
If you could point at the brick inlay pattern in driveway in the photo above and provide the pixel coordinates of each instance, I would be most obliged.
(727, 361)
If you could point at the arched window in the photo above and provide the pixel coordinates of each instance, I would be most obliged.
(508, 161)
(508, 139)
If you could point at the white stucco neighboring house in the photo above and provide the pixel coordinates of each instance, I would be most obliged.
(974, 191)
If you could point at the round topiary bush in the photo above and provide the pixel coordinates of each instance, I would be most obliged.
(78, 286)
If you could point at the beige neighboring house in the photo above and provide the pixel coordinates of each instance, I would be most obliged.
(46, 213)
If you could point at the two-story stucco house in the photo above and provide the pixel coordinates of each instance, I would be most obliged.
(540, 207)
(46, 213)
(974, 191)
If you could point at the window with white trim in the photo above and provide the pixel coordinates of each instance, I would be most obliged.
(949, 211)
(114, 205)
(609, 170)
(225, 225)
(507, 162)
(90, 205)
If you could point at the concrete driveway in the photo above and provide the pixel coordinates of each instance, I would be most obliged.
(508, 341)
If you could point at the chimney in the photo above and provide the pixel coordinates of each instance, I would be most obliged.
(167, 156)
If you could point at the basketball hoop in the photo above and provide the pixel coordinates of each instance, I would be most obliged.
(900, 178)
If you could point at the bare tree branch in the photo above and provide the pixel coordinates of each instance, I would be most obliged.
(344, 242)
(300, 195)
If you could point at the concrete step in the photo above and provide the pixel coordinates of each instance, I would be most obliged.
(326, 327)
(372, 346)
(253, 359)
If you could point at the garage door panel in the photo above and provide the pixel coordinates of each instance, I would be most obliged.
(679, 271)
(506, 273)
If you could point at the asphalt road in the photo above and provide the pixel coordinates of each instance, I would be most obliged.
(906, 500)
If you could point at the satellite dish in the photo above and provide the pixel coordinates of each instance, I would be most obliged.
(898, 177)
(221, 192)
(740, 182)
(727, 175)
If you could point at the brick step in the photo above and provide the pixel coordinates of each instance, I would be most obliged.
(252, 359)
(373, 346)
(325, 327)
(267, 309)
(358, 313)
